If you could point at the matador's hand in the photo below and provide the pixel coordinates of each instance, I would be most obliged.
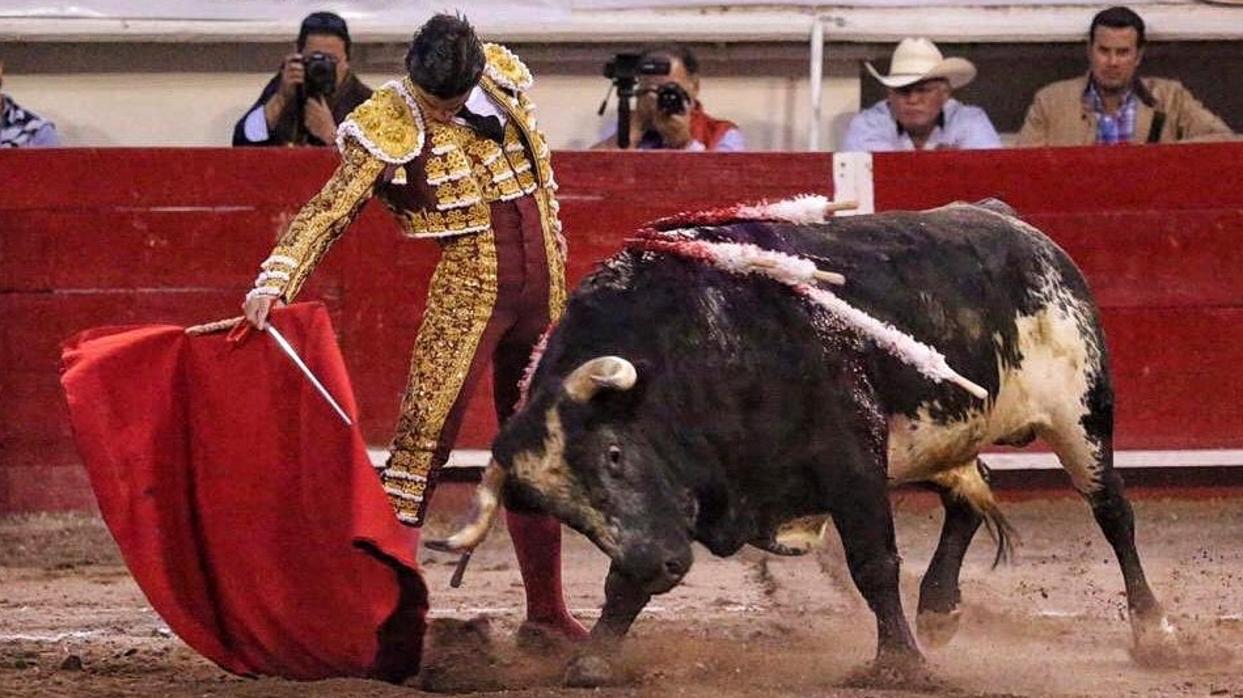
(256, 309)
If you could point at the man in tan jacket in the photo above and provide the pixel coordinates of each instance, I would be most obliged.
(1111, 104)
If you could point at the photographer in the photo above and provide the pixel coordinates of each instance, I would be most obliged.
(669, 116)
(312, 93)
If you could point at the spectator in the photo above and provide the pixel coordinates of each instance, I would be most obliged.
(1111, 104)
(312, 93)
(656, 128)
(919, 112)
(20, 128)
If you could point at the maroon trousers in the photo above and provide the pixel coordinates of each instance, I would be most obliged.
(519, 317)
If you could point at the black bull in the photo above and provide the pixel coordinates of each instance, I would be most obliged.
(677, 402)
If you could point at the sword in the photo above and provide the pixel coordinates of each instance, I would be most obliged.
(297, 360)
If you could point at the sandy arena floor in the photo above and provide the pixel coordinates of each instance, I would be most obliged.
(72, 621)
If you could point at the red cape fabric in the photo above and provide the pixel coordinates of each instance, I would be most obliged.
(247, 511)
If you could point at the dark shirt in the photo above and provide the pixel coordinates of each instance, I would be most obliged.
(349, 95)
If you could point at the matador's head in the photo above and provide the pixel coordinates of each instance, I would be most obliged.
(445, 63)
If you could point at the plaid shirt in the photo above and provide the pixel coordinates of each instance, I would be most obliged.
(1112, 129)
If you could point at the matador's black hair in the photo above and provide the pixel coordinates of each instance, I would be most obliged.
(446, 58)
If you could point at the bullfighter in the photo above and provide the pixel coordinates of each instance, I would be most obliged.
(453, 150)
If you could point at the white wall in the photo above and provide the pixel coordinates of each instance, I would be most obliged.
(199, 109)
(131, 109)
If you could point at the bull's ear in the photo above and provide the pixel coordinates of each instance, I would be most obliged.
(611, 372)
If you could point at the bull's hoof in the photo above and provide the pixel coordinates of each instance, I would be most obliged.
(895, 672)
(937, 629)
(1157, 642)
(591, 671)
(1159, 645)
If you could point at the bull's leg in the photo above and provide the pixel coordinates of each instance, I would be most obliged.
(1084, 445)
(865, 522)
(1154, 637)
(939, 595)
(623, 600)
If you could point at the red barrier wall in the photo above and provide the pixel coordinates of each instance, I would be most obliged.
(106, 237)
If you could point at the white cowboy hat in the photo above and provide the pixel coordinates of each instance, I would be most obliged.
(917, 59)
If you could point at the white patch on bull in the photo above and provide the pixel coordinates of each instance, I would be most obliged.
(1048, 393)
(548, 474)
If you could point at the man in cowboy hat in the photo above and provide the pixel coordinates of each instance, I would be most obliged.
(919, 113)
(1112, 104)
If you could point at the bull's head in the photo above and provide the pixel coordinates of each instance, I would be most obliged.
(580, 451)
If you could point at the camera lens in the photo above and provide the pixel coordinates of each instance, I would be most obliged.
(321, 74)
(672, 99)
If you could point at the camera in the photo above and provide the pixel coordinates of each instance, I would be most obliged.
(672, 99)
(321, 74)
(628, 66)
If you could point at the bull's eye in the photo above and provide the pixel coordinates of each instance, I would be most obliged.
(615, 458)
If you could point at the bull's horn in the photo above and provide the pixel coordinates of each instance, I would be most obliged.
(487, 498)
(611, 372)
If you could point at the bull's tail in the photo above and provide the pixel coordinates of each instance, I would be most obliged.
(795, 537)
(969, 482)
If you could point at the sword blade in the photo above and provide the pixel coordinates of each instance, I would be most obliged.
(293, 356)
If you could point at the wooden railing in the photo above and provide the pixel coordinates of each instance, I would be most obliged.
(114, 237)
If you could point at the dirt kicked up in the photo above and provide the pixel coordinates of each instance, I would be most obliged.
(1052, 623)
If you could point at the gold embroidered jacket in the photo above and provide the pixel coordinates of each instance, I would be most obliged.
(438, 179)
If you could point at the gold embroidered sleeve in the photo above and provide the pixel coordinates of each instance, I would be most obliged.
(320, 222)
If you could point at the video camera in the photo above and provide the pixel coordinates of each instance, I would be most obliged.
(629, 66)
(624, 70)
